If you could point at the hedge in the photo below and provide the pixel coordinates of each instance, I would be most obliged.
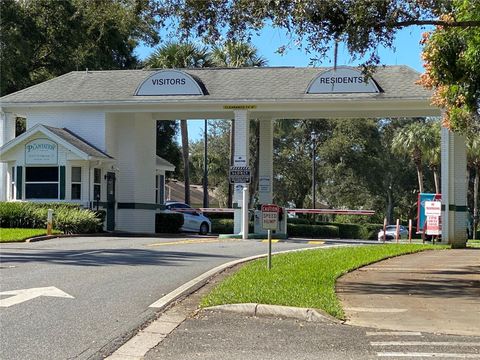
(68, 218)
(330, 231)
(168, 222)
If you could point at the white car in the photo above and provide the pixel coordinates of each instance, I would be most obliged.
(193, 220)
(391, 231)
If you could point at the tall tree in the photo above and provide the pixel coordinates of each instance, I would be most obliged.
(181, 55)
(473, 161)
(432, 153)
(452, 67)
(167, 147)
(45, 38)
(412, 141)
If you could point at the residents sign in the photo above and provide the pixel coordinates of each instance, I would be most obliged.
(342, 80)
(270, 217)
(240, 175)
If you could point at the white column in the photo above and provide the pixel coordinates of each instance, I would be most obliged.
(241, 158)
(454, 188)
(265, 173)
(136, 160)
(7, 133)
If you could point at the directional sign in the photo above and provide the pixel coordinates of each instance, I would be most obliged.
(240, 174)
(22, 295)
(270, 217)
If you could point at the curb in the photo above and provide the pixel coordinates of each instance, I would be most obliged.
(288, 312)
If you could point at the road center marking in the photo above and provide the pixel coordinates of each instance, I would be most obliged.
(393, 333)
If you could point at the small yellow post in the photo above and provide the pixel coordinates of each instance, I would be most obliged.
(49, 221)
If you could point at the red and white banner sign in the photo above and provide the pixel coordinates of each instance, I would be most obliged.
(433, 225)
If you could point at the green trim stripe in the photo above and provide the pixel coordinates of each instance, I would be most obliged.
(142, 206)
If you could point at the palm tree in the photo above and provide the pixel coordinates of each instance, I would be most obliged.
(235, 55)
(431, 151)
(413, 140)
(181, 55)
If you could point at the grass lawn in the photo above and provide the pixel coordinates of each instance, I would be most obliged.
(15, 235)
(302, 279)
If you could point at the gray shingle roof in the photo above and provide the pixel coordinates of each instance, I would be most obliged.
(243, 84)
(78, 142)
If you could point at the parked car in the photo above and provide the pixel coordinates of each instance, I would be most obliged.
(193, 220)
(391, 230)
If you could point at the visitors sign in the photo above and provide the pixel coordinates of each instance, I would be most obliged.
(240, 175)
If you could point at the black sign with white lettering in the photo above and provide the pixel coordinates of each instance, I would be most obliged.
(240, 174)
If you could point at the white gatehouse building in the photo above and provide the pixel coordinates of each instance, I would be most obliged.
(91, 135)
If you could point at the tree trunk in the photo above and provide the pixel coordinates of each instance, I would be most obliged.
(232, 151)
(255, 156)
(475, 201)
(436, 179)
(420, 178)
(389, 208)
(186, 160)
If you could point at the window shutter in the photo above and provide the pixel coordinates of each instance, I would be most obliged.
(62, 182)
(19, 178)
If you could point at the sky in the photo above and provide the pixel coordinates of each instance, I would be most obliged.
(407, 51)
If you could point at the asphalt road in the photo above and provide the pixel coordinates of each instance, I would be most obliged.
(109, 283)
(214, 335)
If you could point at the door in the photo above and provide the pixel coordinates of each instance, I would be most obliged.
(110, 201)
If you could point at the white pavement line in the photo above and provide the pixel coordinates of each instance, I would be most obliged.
(435, 355)
(393, 333)
(85, 253)
(376, 310)
(202, 279)
(423, 343)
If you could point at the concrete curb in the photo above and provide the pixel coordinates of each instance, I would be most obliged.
(288, 312)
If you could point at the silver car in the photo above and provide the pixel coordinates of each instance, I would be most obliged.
(193, 220)
(391, 230)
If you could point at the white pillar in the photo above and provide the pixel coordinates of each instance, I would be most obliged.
(454, 188)
(240, 158)
(265, 173)
(136, 161)
(7, 133)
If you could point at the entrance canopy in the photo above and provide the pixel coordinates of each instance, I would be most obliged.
(282, 92)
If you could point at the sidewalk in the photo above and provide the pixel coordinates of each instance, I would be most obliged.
(432, 291)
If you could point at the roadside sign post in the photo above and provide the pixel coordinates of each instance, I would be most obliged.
(269, 223)
(384, 229)
(49, 221)
(410, 230)
(397, 230)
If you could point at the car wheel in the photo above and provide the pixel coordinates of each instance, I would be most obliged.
(204, 229)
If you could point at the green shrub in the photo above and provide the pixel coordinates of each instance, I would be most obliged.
(222, 226)
(330, 231)
(218, 215)
(69, 218)
(299, 221)
(168, 222)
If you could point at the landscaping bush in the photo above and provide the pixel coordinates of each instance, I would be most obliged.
(222, 226)
(69, 218)
(299, 221)
(329, 231)
(168, 222)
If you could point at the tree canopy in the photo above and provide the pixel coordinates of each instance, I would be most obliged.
(42, 39)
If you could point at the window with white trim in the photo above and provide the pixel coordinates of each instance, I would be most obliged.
(41, 182)
(76, 180)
